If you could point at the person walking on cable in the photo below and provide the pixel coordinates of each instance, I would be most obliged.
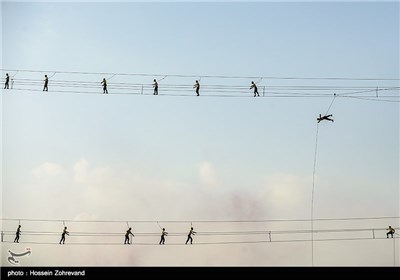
(6, 85)
(391, 231)
(128, 232)
(253, 85)
(104, 83)
(190, 235)
(155, 85)
(46, 83)
(197, 87)
(65, 232)
(17, 234)
(163, 234)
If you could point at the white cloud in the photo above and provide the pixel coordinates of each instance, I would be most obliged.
(80, 170)
(47, 169)
(287, 195)
(92, 176)
(208, 174)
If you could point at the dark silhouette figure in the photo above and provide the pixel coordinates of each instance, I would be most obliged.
(17, 234)
(391, 231)
(190, 235)
(65, 232)
(197, 87)
(46, 83)
(326, 117)
(163, 234)
(104, 83)
(253, 85)
(6, 85)
(128, 232)
(155, 85)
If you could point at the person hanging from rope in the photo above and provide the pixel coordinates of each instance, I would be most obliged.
(104, 83)
(6, 85)
(65, 232)
(128, 232)
(391, 231)
(253, 85)
(326, 117)
(155, 85)
(17, 234)
(163, 234)
(46, 83)
(197, 87)
(190, 235)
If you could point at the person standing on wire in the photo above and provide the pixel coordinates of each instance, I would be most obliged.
(190, 235)
(391, 231)
(104, 83)
(197, 87)
(46, 83)
(6, 85)
(65, 232)
(253, 85)
(155, 85)
(163, 234)
(128, 232)
(17, 234)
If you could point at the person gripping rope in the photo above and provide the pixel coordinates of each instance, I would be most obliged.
(191, 232)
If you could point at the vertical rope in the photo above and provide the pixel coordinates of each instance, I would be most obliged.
(313, 185)
(327, 111)
(312, 198)
(394, 251)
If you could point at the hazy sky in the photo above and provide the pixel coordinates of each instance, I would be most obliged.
(80, 156)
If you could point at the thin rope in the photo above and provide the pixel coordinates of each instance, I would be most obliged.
(210, 76)
(259, 80)
(52, 75)
(203, 221)
(394, 251)
(334, 97)
(163, 78)
(15, 74)
(312, 198)
(111, 77)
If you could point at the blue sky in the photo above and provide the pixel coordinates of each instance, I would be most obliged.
(93, 156)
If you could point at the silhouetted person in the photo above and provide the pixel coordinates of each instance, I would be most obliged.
(46, 83)
(163, 234)
(128, 232)
(391, 231)
(104, 83)
(190, 235)
(253, 85)
(326, 117)
(6, 85)
(17, 234)
(197, 87)
(155, 85)
(65, 232)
